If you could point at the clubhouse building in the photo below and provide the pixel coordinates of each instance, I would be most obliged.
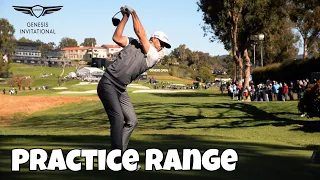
(29, 53)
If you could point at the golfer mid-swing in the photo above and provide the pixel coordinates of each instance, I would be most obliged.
(136, 57)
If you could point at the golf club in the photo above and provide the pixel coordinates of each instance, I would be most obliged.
(115, 21)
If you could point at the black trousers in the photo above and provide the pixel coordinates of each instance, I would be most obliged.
(120, 111)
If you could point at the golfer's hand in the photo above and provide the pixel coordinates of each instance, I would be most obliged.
(124, 12)
(128, 9)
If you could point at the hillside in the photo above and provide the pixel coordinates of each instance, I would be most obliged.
(51, 78)
(41, 76)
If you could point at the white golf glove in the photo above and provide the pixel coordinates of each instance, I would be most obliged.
(128, 9)
(122, 10)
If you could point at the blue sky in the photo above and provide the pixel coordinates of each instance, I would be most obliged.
(179, 19)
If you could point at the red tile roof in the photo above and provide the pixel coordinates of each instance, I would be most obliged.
(75, 48)
(111, 46)
(81, 48)
(98, 48)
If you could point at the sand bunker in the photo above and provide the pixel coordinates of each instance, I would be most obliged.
(79, 92)
(60, 88)
(138, 86)
(162, 91)
(94, 91)
(87, 83)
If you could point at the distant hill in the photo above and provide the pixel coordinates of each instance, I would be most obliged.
(220, 57)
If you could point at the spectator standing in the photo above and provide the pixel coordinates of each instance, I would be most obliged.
(285, 92)
(291, 90)
(275, 90)
(269, 92)
(240, 92)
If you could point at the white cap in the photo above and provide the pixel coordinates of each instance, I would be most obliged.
(163, 37)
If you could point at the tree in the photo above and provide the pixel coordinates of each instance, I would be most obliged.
(7, 45)
(221, 18)
(182, 54)
(89, 42)
(205, 74)
(306, 14)
(20, 81)
(46, 47)
(67, 42)
(314, 48)
(281, 44)
(23, 39)
(194, 57)
(234, 22)
(51, 45)
(77, 64)
(226, 63)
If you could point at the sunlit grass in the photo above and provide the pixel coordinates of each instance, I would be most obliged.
(271, 139)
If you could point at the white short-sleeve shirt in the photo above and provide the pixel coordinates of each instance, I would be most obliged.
(153, 56)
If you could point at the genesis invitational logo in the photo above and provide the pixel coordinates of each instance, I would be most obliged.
(37, 11)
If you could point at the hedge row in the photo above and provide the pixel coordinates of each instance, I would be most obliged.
(288, 71)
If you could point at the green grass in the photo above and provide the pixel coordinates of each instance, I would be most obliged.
(268, 136)
(23, 69)
(52, 80)
(82, 87)
(35, 72)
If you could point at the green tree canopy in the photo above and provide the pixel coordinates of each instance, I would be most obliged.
(67, 42)
(7, 45)
(306, 16)
(235, 22)
(89, 42)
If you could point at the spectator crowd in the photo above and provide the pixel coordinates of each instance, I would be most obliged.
(268, 91)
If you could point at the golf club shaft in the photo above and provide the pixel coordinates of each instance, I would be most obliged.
(116, 14)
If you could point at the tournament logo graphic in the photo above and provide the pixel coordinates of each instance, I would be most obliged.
(37, 10)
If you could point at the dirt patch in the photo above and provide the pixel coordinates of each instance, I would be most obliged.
(11, 105)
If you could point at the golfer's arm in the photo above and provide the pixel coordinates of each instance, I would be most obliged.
(118, 38)
(140, 32)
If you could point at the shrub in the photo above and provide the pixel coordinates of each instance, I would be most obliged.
(310, 102)
(287, 71)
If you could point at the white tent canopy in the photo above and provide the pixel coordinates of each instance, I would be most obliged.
(90, 71)
(72, 75)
